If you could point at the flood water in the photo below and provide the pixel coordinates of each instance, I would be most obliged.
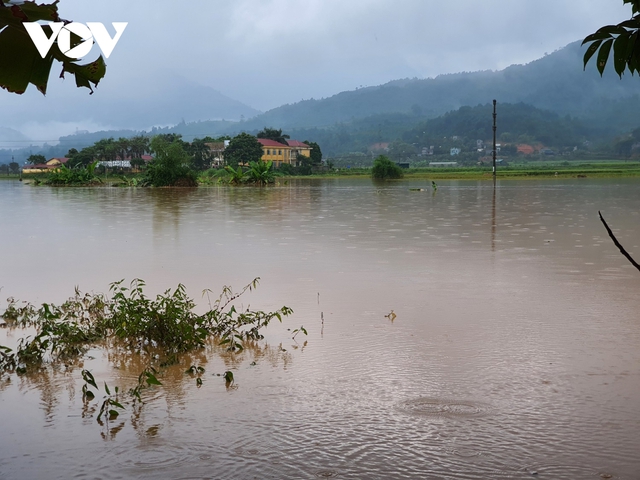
(515, 352)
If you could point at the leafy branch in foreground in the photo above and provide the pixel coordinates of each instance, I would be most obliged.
(20, 61)
(622, 38)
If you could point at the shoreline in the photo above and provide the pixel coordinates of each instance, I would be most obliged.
(546, 172)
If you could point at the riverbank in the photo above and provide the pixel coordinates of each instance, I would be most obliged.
(546, 170)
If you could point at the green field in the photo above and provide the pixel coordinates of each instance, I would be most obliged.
(543, 169)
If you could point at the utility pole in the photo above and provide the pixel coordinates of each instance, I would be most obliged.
(495, 115)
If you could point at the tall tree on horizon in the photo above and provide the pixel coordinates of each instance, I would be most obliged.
(273, 134)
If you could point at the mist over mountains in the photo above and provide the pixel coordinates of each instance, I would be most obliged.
(556, 83)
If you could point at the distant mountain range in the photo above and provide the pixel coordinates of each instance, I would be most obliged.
(349, 121)
(555, 82)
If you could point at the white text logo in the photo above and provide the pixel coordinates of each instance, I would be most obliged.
(89, 32)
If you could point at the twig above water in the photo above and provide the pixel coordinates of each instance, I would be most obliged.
(617, 243)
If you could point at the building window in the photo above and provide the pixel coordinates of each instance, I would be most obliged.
(279, 152)
(268, 152)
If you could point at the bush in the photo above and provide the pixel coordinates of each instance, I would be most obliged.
(286, 169)
(170, 167)
(74, 176)
(384, 169)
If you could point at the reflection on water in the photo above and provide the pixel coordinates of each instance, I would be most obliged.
(515, 351)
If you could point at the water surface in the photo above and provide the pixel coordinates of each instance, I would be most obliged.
(515, 350)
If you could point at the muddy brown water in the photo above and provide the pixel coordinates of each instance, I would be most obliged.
(515, 352)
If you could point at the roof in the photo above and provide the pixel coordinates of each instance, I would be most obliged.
(146, 158)
(266, 142)
(526, 149)
(218, 146)
(59, 159)
(40, 166)
(296, 143)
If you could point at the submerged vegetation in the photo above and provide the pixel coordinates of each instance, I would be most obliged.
(159, 329)
(64, 176)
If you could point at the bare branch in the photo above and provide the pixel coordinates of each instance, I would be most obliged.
(617, 244)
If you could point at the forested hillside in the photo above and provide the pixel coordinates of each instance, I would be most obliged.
(556, 82)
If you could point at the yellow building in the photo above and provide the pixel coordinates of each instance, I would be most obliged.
(45, 167)
(280, 153)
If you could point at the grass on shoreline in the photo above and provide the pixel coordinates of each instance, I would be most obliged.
(601, 169)
(545, 170)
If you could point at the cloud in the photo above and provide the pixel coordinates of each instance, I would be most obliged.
(269, 52)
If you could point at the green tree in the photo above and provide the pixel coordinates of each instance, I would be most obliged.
(106, 149)
(20, 61)
(82, 158)
(138, 146)
(122, 148)
(400, 150)
(170, 167)
(200, 152)
(273, 134)
(384, 169)
(243, 148)
(36, 159)
(14, 167)
(622, 39)
(316, 153)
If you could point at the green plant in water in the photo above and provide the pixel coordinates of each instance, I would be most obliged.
(129, 181)
(133, 320)
(196, 371)
(110, 401)
(261, 173)
(146, 379)
(298, 330)
(64, 176)
(236, 176)
(129, 319)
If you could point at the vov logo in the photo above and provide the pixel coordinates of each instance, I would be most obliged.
(89, 32)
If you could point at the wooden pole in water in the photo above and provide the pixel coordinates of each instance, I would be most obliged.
(494, 139)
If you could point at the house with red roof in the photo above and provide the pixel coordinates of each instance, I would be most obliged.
(280, 153)
(51, 164)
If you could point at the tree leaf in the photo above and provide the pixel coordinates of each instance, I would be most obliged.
(633, 23)
(620, 53)
(90, 73)
(20, 62)
(596, 36)
(603, 55)
(151, 379)
(612, 30)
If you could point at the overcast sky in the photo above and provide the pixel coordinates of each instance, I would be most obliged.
(269, 52)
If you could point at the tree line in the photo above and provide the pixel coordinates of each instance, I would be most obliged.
(178, 162)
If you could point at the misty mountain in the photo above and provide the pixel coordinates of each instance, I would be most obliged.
(163, 100)
(556, 82)
(11, 138)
